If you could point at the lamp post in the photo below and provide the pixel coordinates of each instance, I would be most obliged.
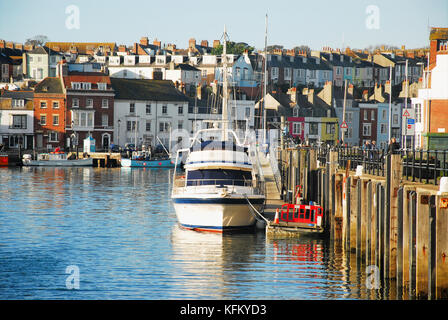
(73, 138)
(118, 133)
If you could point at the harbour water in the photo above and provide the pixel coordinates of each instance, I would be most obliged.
(118, 228)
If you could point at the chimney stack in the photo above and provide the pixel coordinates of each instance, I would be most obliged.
(387, 87)
(365, 95)
(204, 43)
(309, 92)
(199, 91)
(192, 43)
(350, 89)
(292, 92)
(144, 41)
(216, 43)
(157, 43)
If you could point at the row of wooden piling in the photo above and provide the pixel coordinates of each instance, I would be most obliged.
(394, 225)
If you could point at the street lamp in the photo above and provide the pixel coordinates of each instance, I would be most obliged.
(118, 133)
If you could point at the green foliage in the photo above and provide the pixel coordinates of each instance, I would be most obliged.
(233, 48)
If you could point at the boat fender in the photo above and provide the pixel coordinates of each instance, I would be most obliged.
(260, 224)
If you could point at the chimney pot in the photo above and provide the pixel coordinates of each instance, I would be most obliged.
(144, 41)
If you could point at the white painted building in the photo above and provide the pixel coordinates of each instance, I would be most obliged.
(183, 73)
(17, 119)
(148, 110)
(434, 94)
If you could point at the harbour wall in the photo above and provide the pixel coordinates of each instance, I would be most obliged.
(385, 222)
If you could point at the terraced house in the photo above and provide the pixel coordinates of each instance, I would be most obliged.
(149, 112)
(40, 63)
(16, 119)
(90, 107)
(50, 114)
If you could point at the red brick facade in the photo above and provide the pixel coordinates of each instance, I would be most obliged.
(368, 116)
(90, 111)
(49, 119)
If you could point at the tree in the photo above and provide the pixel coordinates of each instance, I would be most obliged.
(302, 48)
(274, 47)
(233, 48)
(38, 40)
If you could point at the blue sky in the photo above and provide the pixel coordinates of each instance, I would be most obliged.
(291, 23)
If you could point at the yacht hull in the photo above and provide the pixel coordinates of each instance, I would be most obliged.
(216, 214)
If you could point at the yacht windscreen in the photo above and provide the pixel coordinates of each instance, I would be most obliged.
(218, 177)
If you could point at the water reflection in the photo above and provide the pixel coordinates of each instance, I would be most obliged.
(120, 228)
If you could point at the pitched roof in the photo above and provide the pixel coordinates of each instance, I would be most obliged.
(49, 85)
(155, 90)
(82, 47)
(92, 77)
(438, 34)
(18, 94)
(185, 66)
(43, 50)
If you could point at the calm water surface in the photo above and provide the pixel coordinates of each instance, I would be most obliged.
(119, 228)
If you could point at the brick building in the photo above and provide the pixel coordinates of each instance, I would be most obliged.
(49, 114)
(90, 107)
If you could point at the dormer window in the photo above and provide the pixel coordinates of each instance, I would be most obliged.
(86, 85)
(295, 111)
(18, 102)
(76, 85)
(102, 86)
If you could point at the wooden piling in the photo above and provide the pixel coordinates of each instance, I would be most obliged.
(346, 213)
(395, 181)
(441, 245)
(422, 245)
(338, 193)
(353, 213)
(368, 214)
(399, 253)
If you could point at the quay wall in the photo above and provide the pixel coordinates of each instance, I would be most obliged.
(384, 222)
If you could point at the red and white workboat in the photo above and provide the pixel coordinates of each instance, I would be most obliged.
(296, 219)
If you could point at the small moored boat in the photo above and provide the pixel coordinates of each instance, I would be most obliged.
(142, 159)
(56, 159)
(292, 220)
(4, 160)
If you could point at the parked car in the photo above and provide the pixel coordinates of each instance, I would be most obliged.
(115, 148)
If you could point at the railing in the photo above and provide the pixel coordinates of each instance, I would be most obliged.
(181, 183)
(426, 166)
(372, 160)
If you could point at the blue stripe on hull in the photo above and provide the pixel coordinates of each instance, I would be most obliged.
(216, 228)
(152, 163)
(219, 161)
(217, 201)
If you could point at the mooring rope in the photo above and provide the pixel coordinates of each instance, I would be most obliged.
(253, 208)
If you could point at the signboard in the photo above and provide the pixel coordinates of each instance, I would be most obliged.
(344, 125)
(408, 122)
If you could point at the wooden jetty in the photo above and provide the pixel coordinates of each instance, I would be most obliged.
(379, 216)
